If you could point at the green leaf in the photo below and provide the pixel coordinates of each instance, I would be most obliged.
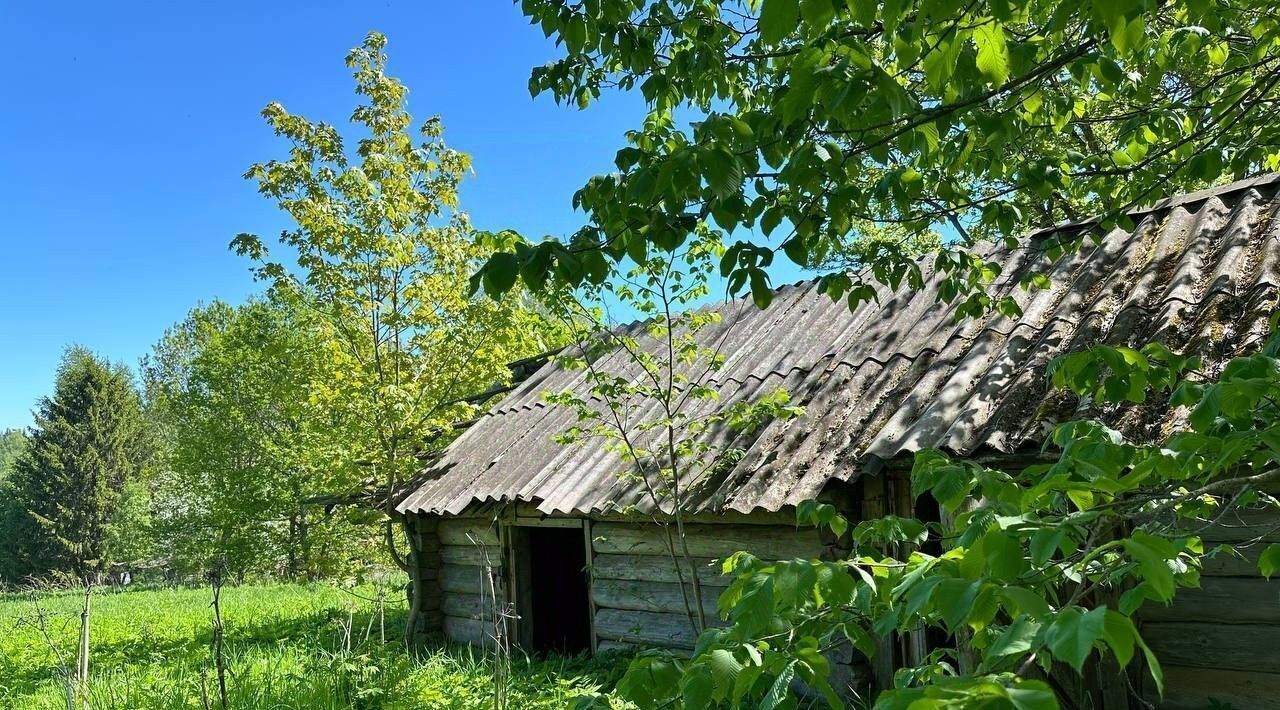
(1120, 634)
(955, 599)
(500, 274)
(1033, 695)
(1044, 543)
(778, 18)
(1073, 635)
(1016, 638)
(1153, 664)
(993, 53)
(761, 292)
(817, 13)
(698, 686)
(1269, 560)
(1152, 555)
(780, 690)
(1025, 601)
(725, 668)
(722, 172)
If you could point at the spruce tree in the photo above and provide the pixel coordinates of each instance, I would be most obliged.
(89, 442)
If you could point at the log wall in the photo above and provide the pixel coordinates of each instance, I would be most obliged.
(1221, 643)
(424, 576)
(470, 552)
(636, 589)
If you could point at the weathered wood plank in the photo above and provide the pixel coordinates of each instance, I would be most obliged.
(620, 646)
(1239, 647)
(656, 568)
(463, 531)
(1239, 526)
(644, 628)
(1230, 600)
(649, 596)
(467, 606)
(546, 522)
(1226, 565)
(774, 542)
(476, 556)
(468, 579)
(471, 631)
(1194, 688)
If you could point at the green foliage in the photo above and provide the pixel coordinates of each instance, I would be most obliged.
(385, 253)
(13, 519)
(89, 447)
(285, 646)
(247, 443)
(815, 122)
(1027, 570)
(13, 443)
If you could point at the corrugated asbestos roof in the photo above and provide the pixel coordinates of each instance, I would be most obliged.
(1199, 272)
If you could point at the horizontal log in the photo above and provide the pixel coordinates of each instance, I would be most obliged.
(649, 596)
(1239, 526)
(619, 646)
(718, 541)
(468, 606)
(426, 572)
(1243, 564)
(657, 568)
(468, 631)
(1240, 647)
(1228, 600)
(1195, 688)
(546, 522)
(476, 556)
(644, 628)
(463, 531)
(468, 579)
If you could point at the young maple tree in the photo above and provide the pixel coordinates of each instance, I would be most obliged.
(385, 253)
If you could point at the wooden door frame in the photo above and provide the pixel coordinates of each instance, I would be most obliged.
(516, 551)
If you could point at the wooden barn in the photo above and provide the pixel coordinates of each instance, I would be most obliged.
(506, 512)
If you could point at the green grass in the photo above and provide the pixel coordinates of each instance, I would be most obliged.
(284, 649)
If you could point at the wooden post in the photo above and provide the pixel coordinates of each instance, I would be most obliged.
(876, 503)
(591, 603)
(82, 660)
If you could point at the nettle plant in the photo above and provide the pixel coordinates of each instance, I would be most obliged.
(1039, 570)
(654, 405)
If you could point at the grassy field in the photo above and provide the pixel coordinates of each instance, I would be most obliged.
(285, 647)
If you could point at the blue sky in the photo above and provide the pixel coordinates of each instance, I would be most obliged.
(126, 129)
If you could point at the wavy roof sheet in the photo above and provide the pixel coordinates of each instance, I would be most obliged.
(1199, 272)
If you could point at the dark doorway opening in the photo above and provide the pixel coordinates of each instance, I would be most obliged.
(559, 611)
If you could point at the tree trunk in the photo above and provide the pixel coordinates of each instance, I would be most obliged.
(219, 662)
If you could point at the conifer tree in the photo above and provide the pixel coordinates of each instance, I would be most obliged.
(88, 444)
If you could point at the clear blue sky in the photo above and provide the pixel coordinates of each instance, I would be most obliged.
(126, 128)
